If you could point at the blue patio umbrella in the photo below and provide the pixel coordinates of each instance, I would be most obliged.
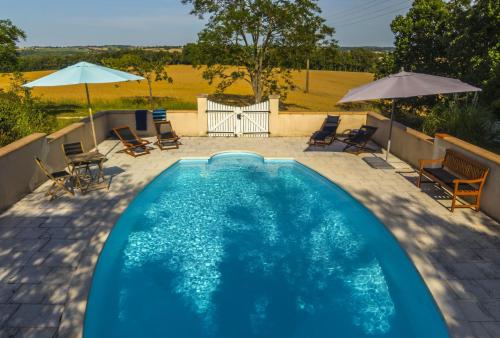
(84, 73)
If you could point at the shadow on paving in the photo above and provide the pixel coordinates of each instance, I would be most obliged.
(48, 250)
(458, 254)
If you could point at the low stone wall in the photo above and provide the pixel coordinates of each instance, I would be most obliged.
(408, 144)
(305, 123)
(19, 174)
(185, 122)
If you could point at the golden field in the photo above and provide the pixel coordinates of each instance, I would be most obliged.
(326, 88)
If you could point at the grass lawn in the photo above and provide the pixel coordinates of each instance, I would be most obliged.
(326, 88)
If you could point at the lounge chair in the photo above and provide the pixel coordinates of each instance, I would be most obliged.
(359, 138)
(166, 138)
(134, 145)
(59, 180)
(326, 135)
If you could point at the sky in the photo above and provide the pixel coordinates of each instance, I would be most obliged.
(168, 22)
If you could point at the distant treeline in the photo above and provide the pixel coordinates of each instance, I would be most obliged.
(332, 58)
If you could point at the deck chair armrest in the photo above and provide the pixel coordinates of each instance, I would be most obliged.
(458, 181)
(424, 162)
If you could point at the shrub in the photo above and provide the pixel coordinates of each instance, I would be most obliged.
(20, 116)
(471, 123)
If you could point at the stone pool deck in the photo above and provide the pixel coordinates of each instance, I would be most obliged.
(48, 250)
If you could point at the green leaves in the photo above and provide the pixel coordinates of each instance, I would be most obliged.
(262, 37)
(10, 35)
(150, 65)
(20, 114)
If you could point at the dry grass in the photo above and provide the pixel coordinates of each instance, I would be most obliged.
(326, 88)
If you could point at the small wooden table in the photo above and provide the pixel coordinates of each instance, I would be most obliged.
(88, 158)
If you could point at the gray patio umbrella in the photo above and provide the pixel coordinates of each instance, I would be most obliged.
(404, 85)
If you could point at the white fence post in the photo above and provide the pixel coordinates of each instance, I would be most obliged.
(202, 101)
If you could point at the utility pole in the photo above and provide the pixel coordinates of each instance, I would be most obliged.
(307, 76)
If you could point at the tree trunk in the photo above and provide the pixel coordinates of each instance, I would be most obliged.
(307, 76)
(150, 95)
(256, 86)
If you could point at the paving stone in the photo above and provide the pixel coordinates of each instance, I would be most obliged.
(41, 293)
(36, 332)
(490, 270)
(473, 311)
(15, 258)
(480, 331)
(6, 311)
(38, 258)
(21, 244)
(490, 255)
(493, 328)
(9, 232)
(35, 315)
(31, 233)
(64, 246)
(28, 274)
(465, 270)
(493, 308)
(56, 221)
(22, 221)
(59, 275)
(8, 332)
(464, 254)
(491, 286)
(7, 291)
(468, 289)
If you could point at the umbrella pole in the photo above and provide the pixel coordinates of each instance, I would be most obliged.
(390, 131)
(91, 117)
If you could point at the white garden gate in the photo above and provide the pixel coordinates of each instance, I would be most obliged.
(250, 121)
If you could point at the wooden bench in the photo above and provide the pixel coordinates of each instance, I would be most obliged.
(457, 173)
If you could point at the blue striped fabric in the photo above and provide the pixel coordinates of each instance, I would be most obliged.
(159, 115)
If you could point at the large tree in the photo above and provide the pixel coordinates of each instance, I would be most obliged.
(10, 35)
(260, 37)
(457, 38)
(422, 38)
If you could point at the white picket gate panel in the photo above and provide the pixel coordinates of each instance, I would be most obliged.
(250, 121)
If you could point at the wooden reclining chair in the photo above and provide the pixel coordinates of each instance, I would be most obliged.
(134, 145)
(166, 138)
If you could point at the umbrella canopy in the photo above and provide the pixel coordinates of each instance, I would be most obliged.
(84, 73)
(407, 84)
(404, 85)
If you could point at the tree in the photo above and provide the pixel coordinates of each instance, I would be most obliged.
(475, 45)
(259, 37)
(151, 66)
(422, 38)
(10, 35)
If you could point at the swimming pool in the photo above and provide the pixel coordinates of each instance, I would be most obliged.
(238, 246)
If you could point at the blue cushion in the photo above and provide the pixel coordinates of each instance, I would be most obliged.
(159, 115)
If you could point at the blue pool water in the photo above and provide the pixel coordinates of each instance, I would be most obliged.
(241, 247)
